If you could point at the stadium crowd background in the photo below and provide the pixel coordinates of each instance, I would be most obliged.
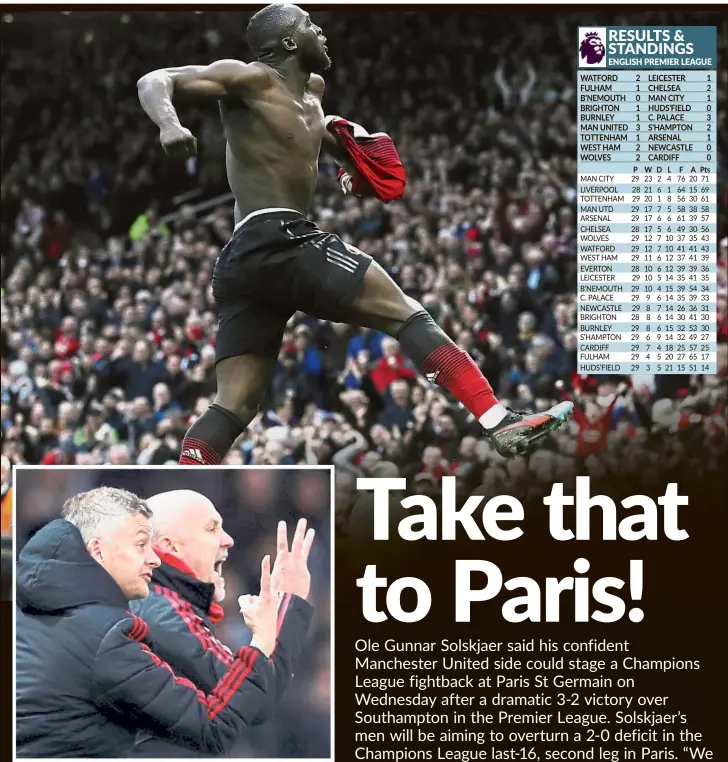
(251, 502)
(107, 319)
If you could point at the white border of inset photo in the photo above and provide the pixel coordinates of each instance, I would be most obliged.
(196, 469)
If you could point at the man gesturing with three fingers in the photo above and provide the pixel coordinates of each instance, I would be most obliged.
(184, 599)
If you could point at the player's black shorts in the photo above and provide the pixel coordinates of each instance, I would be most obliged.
(278, 263)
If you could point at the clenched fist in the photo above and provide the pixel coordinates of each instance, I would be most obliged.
(178, 142)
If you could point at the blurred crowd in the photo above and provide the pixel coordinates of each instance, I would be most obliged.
(108, 325)
(251, 503)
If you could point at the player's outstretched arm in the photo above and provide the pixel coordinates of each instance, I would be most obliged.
(158, 88)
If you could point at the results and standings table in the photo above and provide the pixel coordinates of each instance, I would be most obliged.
(647, 200)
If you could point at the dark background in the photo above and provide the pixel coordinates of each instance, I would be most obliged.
(684, 600)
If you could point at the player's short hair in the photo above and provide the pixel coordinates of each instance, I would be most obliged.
(98, 511)
(269, 26)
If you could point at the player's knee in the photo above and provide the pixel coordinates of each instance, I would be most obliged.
(395, 307)
(389, 316)
(241, 385)
(405, 311)
(246, 413)
(244, 409)
(240, 398)
(413, 305)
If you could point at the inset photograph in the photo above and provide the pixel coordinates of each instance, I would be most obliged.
(6, 530)
(173, 612)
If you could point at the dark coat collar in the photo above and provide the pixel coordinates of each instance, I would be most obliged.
(175, 575)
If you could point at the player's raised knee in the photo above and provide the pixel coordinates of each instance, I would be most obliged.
(413, 304)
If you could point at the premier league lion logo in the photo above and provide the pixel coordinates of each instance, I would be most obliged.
(592, 48)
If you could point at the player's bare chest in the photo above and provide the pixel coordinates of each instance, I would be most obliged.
(295, 122)
(309, 115)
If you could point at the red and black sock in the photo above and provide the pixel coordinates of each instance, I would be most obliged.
(210, 437)
(442, 362)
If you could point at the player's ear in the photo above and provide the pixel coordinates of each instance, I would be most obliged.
(289, 44)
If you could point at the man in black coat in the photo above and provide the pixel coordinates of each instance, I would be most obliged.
(87, 679)
(188, 586)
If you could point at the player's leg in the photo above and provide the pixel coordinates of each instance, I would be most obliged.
(336, 281)
(383, 306)
(250, 330)
(247, 346)
(241, 383)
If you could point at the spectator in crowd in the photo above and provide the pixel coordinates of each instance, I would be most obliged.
(594, 422)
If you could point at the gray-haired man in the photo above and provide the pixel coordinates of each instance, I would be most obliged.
(86, 679)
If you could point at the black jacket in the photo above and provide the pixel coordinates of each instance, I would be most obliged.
(178, 611)
(86, 677)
